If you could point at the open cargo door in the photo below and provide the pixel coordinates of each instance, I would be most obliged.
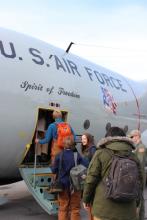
(38, 177)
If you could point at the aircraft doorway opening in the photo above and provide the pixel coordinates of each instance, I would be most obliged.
(44, 119)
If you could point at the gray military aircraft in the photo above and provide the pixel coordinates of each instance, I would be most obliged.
(37, 78)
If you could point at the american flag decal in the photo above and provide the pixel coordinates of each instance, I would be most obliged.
(109, 101)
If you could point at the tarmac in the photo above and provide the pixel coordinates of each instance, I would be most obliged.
(16, 203)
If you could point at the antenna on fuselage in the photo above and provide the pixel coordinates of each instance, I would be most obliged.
(68, 48)
(50, 56)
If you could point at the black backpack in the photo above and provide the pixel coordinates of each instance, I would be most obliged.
(122, 183)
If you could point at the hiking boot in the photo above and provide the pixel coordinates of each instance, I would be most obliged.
(38, 160)
(44, 158)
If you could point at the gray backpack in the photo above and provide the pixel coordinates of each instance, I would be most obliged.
(77, 174)
(122, 182)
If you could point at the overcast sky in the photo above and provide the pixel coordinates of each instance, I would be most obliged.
(111, 33)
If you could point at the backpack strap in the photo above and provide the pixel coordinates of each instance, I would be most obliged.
(75, 158)
(112, 154)
(109, 151)
(60, 164)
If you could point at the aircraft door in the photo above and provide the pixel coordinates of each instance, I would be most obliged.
(39, 177)
(44, 119)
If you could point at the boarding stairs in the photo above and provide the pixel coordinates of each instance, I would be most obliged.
(38, 180)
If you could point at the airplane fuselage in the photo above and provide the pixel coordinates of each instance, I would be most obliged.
(36, 75)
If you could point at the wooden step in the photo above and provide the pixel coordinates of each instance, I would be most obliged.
(51, 190)
(45, 174)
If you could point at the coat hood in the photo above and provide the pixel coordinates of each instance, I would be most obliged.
(112, 143)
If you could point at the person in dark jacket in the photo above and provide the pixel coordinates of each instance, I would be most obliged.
(88, 146)
(88, 150)
(94, 189)
(69, 201)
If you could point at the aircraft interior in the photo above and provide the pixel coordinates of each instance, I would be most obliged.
(44, 119)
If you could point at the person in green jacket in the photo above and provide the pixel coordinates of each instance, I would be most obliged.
(140, 151)
(94, 190)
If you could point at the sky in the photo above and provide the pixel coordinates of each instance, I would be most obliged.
(110, 33)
